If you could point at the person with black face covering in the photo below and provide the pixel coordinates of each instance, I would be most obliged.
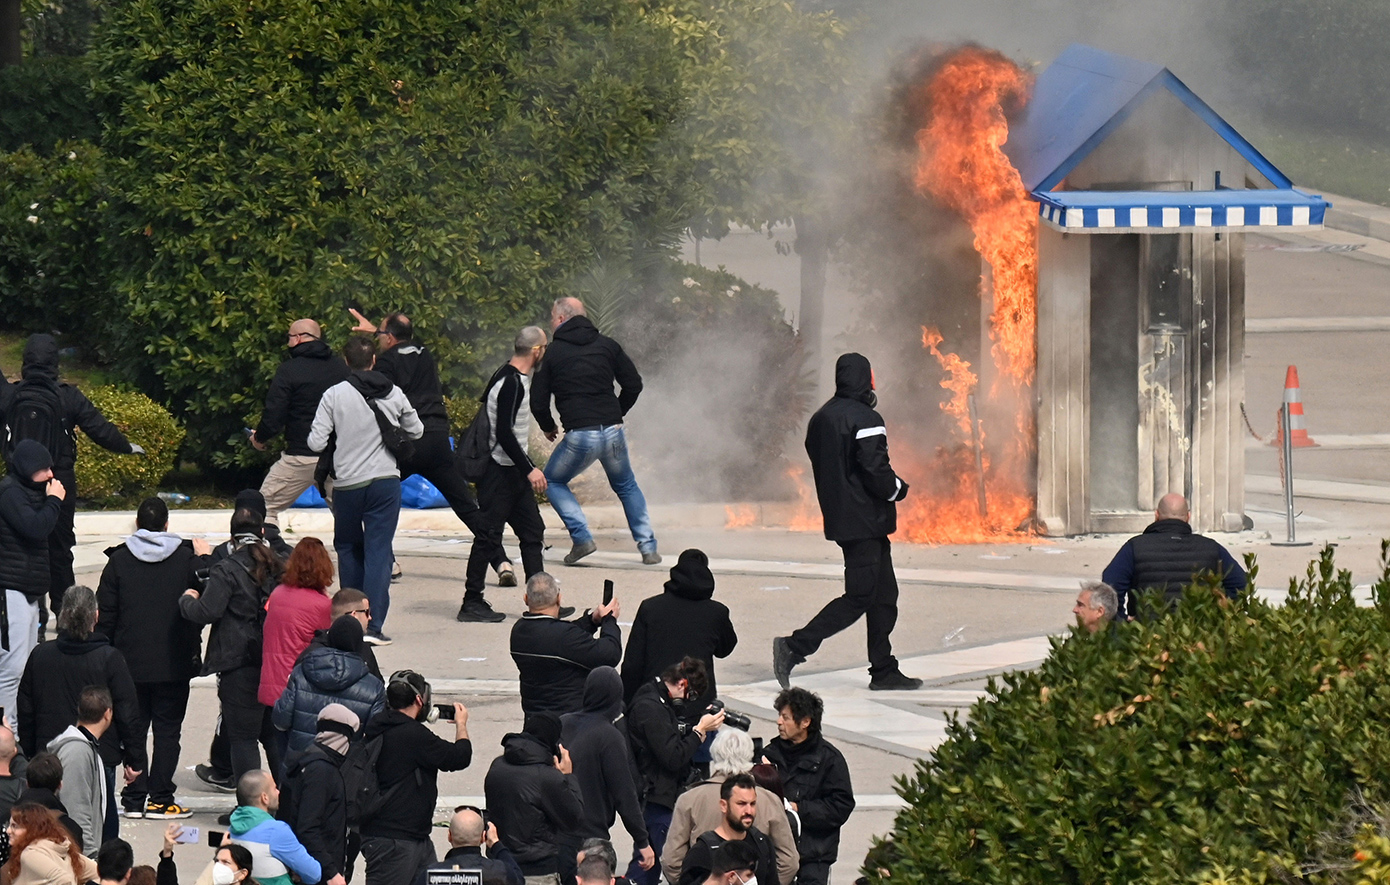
(290, 405)
(26, 407)
(604, 769)
(30, 506)
(533, 796)
(858, 492)
(684, 620)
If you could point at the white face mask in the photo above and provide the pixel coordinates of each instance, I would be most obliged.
(751, 880)
(223, 874)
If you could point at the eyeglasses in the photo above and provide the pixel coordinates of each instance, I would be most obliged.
(473, 808)
(361, 611)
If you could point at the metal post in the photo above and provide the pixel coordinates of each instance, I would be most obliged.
(978, 445)
(1286, 433)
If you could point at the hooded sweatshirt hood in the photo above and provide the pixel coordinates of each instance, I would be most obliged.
(525, 749)
(854, 378)
(370, 383)
(148, 546)
(40, 359)
(691, 577)
(247, 817)
(577, 330)
(29, 458)
(603, 693)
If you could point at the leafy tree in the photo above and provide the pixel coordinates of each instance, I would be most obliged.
(458, 161)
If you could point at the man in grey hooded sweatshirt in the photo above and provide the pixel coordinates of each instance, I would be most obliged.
(83, 792)
(138, 605)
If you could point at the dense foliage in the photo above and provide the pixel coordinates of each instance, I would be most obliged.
(101, 473)
(1225, 738)
(456, 161)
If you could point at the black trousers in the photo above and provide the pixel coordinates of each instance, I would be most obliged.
(246, 720)
(813, 874)
(871, 592)
(162, 706)
(395, 861)
(505, 498)
(434, 460)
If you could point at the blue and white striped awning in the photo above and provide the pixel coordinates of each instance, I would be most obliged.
(1149, 211)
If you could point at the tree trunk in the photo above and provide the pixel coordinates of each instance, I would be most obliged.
(11, 22)
(812, 246)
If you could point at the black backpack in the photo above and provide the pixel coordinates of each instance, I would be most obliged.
(365, 797)
(36, 413)
(475, 449)
(396, 440)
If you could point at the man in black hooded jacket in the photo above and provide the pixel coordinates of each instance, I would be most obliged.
(39, 378)
(290, 405)
(858, 492)
(604, 769)
(683, 620)
(532, 794)
(30, 505)
(579, 371)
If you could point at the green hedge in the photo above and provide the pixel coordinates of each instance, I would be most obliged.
(1221, 742)
(100, 473)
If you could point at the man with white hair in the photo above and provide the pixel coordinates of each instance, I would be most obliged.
(468, 833)
(579, 370)
(1166, 558)
(1095, 607)
(697, 809)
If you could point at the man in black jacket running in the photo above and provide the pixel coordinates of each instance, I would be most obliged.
(858, 493)
(509, 484)
(579, 370)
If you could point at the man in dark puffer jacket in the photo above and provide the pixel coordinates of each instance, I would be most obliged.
(30, 503)
(1166, 558)
(332, 674)
(533, 795)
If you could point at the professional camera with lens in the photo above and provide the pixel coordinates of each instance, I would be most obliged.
(738, 720)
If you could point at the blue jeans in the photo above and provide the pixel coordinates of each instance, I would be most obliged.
(364, 525)
(576, 451)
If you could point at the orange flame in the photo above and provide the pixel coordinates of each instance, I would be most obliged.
(807, 516)
(739, 516)
(961, 164)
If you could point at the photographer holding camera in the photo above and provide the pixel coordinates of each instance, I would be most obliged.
(664, 746)
(396, 840)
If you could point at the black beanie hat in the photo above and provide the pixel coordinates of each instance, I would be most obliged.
(345, 634)
(29, 457)
(544, 727)
(691, 577)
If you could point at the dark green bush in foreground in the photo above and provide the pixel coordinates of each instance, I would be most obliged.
(1227, 737)
(100, 473)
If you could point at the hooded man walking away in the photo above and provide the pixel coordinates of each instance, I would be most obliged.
(858, 492)
(42, 409)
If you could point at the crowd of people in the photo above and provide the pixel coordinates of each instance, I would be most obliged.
(331, 762)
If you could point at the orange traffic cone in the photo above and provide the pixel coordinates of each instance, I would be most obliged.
(1293, 401)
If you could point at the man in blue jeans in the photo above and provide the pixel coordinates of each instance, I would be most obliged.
(366, 481)
(579, 371)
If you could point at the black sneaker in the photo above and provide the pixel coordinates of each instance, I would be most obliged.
(224, 819)
(895, 681)
(376, 637)
(208, 775)
(133, 810)
(579, 551)
(477, 610)
(566, 611)
(169, 811)
(783, 659)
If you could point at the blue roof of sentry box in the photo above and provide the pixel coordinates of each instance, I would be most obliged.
(1084, 96)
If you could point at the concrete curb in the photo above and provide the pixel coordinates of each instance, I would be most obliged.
(1356, 217)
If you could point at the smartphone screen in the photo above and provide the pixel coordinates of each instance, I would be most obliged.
(446, 711)
(607, 592)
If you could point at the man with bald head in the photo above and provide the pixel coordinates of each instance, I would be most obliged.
(1166, 558)
(290, 405)
(468, 833)
(579, 371)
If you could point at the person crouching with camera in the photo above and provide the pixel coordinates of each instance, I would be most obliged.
(664, 746)
(396, 840)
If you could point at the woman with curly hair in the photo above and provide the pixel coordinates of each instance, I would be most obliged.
(42, 851)
(297, 609)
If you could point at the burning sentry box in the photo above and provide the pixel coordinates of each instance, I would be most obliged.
(1144, 198)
